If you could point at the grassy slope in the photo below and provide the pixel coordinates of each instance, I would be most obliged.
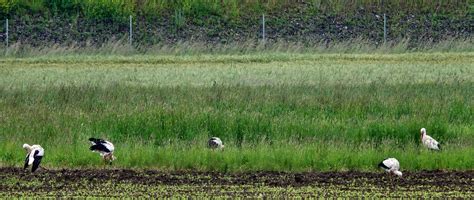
(163, 22)
(274, 111)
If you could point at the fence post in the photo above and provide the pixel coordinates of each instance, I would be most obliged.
(130, 33)
(6, 32)
(384, 29)
(263, 28)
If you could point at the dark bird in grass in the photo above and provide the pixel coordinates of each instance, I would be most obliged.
(34, 156)
(215, 143)
(392, 166)
(104, 148)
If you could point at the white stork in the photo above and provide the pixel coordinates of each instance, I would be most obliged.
(428, 141)
(34, 156)
(104, 148)
(215, 143)
(392, 166)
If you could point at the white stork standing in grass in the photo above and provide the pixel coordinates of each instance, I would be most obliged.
(215, 143)
(428, 141)
(104, 148)
(392, 166)
(34, 156)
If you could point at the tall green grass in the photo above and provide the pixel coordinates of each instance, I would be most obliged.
(274, 111)
(121, 47)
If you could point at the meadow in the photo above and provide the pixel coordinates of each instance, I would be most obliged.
(274, 111)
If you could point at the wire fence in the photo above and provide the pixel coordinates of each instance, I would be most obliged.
(4, 31)
(377, 28)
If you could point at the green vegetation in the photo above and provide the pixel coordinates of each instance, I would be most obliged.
(231, 191)
(229, 8)
(274, 111)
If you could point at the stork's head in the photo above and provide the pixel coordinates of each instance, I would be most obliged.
(422, 132)
(398, 173)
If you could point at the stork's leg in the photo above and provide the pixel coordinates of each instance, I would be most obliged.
(105, 163)
(389, 177)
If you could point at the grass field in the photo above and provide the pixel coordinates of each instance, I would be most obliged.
(274, 111)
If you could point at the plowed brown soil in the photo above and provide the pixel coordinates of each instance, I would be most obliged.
(123, 182)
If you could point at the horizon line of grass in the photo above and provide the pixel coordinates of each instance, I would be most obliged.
(148, 60)
(358, 45)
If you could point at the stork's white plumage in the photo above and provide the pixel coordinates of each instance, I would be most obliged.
(104, 148)
(391, 165)
(428, 141)
(34, 156)
(215, 143)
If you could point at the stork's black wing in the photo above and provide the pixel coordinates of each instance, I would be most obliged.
(26, 161)
(212, 143)
(96, 140)
(36, 161)
(383, 165)
(99, 147)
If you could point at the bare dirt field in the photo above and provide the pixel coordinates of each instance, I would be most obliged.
(16, 182)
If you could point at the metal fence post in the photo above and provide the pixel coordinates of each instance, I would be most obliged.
(384, 28)
(263, 28)
(6, 32)
(130, 33)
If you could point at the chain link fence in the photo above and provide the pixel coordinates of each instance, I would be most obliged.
(4, 31)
